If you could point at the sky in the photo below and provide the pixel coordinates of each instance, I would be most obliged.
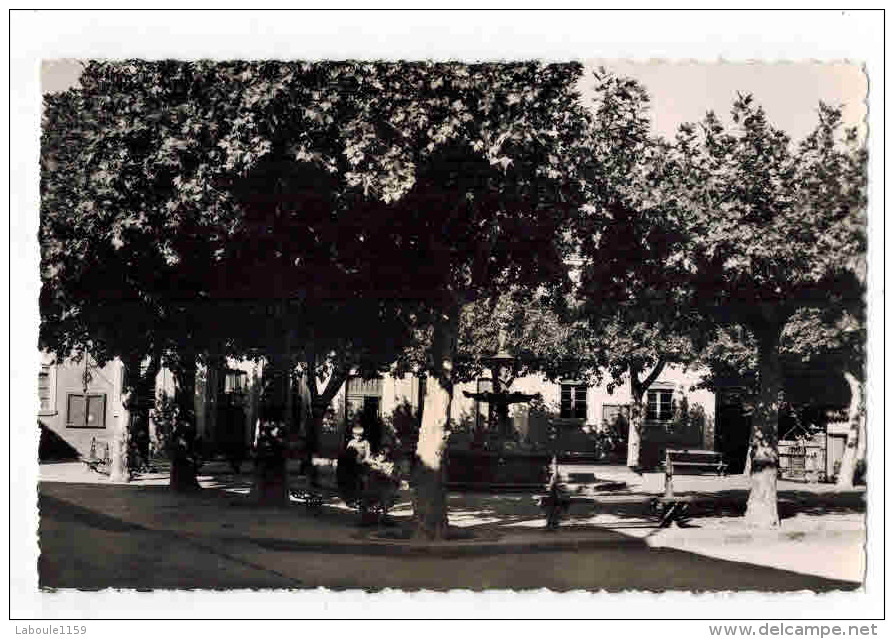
(685, 91)
(789, 92)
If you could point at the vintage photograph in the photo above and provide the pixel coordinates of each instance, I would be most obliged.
(588, 324)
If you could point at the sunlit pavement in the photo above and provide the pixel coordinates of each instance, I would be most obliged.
(84, 546)
(141, 535)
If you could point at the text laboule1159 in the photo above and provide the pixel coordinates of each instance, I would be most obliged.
(51, 630)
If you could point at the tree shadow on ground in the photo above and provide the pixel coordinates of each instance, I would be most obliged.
(483, 509)
(794, 502)
(523, 509)
(637, 510)
(732, 503)
(491, 509)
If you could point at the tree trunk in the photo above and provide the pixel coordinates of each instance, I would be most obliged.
(312, 434)
(638, 411)
(411, 451)
(319, 404)
(184, 455)
(420, 399)
(430, 499)
(271, 477)
(762, 510)
(137, 429)
(854, 435)
(139, 388)
(118, 471)
(747, 470)
(635, 429)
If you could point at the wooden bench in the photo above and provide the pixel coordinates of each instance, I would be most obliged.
(672, 510)
(96, 463)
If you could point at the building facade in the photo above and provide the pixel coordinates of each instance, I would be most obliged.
(80, 401)
(82, 404)
(567, 415)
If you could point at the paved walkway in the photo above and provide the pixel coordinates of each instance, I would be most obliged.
(609, 512)
(98, 536)
(822, 532)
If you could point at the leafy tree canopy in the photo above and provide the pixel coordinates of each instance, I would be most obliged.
(770, 226)
(210, 182)
(632, 294)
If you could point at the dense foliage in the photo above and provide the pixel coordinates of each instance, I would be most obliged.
(342, 216)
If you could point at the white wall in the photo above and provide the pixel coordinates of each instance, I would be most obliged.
(67, 377)
(396, 390)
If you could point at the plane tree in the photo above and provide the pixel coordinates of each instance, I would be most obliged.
(768, 227)
(721, 227)
(448, 184)
(170, 194)
(113, 285)
(822, 357)
(485, 213)
(631, 291)
(438, 181)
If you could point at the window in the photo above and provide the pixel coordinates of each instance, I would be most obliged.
(46, 390)
(86, 411)
(362, 394)
(660, 407)
(614, 413)
(234, 382)
(371, 405)
(365, 387)
(573, 401)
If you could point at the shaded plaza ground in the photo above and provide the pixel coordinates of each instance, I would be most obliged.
(94, 534)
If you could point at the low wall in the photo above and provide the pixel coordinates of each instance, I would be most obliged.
(482, 469)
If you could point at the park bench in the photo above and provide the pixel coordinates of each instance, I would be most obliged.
(672, 509)
(96, 463)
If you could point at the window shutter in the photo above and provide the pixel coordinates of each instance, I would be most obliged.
(43, 387)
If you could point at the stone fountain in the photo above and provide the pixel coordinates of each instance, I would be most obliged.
(491, 463)
(500, 398)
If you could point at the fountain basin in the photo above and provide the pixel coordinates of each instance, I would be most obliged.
(491, 470)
